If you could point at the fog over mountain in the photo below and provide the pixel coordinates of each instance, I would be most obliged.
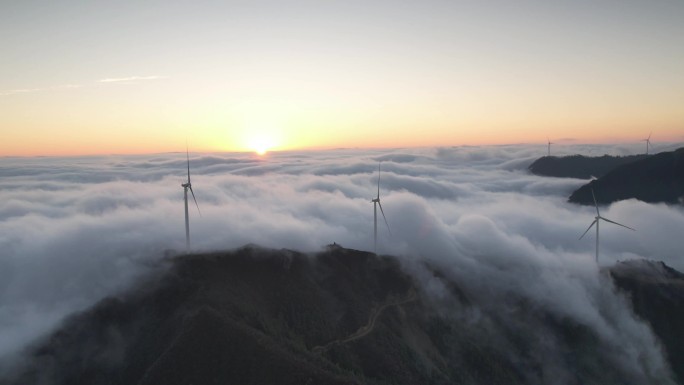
(73, 230)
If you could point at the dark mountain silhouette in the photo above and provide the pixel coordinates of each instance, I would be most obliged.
(658, 178)
(657, 294)
(257, 316)
(579, 166)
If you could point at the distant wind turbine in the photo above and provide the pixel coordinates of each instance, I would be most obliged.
(648, 142)
(376, 203)
(550, 143)
(596, 222)
(187, 186)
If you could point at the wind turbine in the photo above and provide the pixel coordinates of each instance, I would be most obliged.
(187, 186)
(376, 203)
(550, 143)
(597, 218)
(648, 142)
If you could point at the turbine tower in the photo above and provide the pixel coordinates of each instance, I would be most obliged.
(550, 143)
(376, 203)
(648, 142)
(596, 222)
(187, 186)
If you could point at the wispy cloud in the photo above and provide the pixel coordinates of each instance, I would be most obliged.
(130, 79)
(32, 90)
(20, 91)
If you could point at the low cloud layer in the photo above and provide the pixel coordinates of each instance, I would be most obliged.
(74, 230)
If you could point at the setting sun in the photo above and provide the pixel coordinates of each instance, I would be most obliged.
(261, 150)
(260, 143)
(261, 134)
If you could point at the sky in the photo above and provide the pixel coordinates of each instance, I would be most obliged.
(129, 77)
(76, 229)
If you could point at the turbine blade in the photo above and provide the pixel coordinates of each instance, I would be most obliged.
(649, 136)
(613, 222)
(595, 204)
(385, 218)
(187, 154)
(588, 228)
(378, 180)
(193, 197)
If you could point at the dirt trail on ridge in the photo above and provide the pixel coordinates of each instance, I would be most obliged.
(367, 328)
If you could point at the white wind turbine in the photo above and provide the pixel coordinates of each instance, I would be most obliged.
(376, 203)
(549, 144)
(596, 222)
(648, 142)
(187, 186)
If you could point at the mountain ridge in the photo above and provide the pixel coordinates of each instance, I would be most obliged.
(580, 166)
(656, 179)
(257, 315)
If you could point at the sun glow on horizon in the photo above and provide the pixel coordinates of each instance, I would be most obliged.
(406, 75)
(261, 149)
(261, 140)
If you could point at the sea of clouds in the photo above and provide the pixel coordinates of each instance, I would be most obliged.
(76, 229)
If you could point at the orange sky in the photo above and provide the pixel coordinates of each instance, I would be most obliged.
(131, 78)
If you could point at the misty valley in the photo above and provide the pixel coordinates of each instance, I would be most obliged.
(459, 265)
